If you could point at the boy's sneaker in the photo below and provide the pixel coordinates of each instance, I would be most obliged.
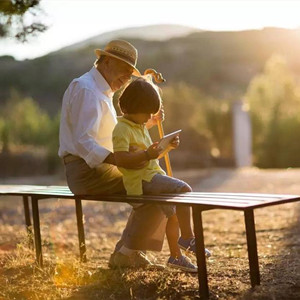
(190, 246)
(182, 263)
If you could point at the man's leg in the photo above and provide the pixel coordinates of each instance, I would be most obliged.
(145, 230)
(145, 227)
(83, 180)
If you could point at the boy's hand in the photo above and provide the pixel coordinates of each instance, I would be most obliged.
(153, 151)
(175, 142)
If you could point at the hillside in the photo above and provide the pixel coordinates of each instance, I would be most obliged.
(159, 32)
(219, 63)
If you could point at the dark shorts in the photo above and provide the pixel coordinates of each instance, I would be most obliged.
(163, 184)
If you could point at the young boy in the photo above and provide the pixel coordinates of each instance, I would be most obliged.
(137, 158)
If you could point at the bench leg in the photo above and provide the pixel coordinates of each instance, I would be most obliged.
(27, 219)
(37, 231)
(200, 253)
(81, 236)
(252, 247)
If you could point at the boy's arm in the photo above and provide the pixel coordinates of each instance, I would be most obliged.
(136, 159)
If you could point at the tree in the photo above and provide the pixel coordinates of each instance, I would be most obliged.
(14, 15)
(205, 121)
(274, 102)
(218, 116)
(25, 122)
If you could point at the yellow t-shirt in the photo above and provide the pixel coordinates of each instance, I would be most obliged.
(126, 134)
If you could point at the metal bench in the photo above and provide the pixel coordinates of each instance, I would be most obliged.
(199, 202)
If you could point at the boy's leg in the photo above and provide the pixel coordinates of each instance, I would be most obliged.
(185, 221)
(164, 184)
(172, 233)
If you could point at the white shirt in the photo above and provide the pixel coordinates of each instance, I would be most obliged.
(88, 118)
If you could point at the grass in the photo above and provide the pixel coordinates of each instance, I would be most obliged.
(64, 277)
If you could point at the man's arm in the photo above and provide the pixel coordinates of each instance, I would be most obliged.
(86, 115)
(131, 160)
(110, 159)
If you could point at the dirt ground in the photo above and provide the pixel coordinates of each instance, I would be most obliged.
(278, 238)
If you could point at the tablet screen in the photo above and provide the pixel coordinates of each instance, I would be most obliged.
(165, 141)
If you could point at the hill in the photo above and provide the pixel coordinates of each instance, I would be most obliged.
(221, 64)
(159, 32)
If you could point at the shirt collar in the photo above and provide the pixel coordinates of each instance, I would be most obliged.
(101, 82)
(132, 124)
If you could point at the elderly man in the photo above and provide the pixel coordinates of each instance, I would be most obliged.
(88, 118)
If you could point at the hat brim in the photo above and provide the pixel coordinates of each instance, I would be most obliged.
(100, 52)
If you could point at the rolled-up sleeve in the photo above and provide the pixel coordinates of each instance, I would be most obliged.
(86, 115)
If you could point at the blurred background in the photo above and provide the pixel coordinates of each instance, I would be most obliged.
(232, 71)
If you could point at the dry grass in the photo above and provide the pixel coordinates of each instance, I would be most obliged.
(64, 277)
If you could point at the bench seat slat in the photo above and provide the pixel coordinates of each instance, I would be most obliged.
(239, 201)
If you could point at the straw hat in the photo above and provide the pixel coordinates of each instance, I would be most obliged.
(121, 50)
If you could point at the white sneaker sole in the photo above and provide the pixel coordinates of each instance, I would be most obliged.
(207, 252)
(182, 268)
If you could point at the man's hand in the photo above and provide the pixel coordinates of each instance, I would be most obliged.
(159, 117)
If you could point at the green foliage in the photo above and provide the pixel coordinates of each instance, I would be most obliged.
(12, 15)
(206, 122)
(53, 144)
(182, 105)
(27, 123)
(24, 123)
(275, 104)
(4, 135)
(218, 117)
(183, 111)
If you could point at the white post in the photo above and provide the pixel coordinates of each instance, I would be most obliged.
(242, 135)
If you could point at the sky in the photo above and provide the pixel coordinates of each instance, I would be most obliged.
(71, 21)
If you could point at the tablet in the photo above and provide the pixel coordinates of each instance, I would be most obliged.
(165, 141)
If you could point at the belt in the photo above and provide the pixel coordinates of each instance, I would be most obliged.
(69, 158)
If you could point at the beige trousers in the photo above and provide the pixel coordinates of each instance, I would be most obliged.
(145, 228)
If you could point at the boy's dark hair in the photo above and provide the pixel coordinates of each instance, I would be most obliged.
(140, 96)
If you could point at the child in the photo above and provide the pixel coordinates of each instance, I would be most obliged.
(136, 157)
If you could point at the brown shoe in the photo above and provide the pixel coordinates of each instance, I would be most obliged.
(136, 260)
(111, 260)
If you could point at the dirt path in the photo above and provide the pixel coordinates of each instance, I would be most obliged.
(248, 180)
